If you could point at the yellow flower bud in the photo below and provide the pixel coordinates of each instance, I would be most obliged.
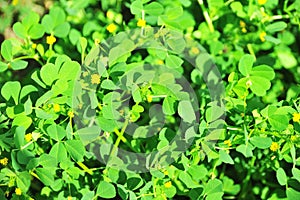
(50, 39)
(28, 137)
(111, 28)
(168, 184)
(296, 117)
(141, 23)
(274, 146)
(95, 79)
(18, 191)
(56, 107)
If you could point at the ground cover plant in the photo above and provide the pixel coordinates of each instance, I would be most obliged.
(141, 99)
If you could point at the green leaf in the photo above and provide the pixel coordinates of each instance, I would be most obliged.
(230, 187)
(56, 132)
(47, 160)
(281, 176)
(31, 19)
(245, 64)
(49, 73)
(259, 85)
(69, 70)
(58, 15)
(45, 175)
(22, 120)
(261, 142)
(3, 66)
(186, 111)
(108, 84)
(133, 183)
(20, 30)
(225, 157)
(23, 181)
(36, 31)
(89, 134)
(170, 192)
(214, 186)
(58, 151)
(246, 150)
(237, 8)
(286, 57)
(83, 44)
(176, 44)
(62, 30)
(187, 180)
(197, 172)
(107, 124)
(174, 12)
(48, 23)
(136, 7)
(27, 89)
(154, 8)
(6, 50)
(173, 61)
(121, 51)
(264, 71)
(279, 122)
(76, 149)
(106, 190)
(169, 105)
(276, 26)
(18, 64)
(292, 194)
(296, 174)
(19, 136)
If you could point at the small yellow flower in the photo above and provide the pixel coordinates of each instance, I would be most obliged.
(141, 23)
(111, 28)
(18, 191)
(293, 138)
(69, 197)
(228, 143)
(56, 107)
(296, 117)
(28, 137)
(160, 62)
(71, 114)
(195, 50)
(50, 39)
(166, 173)
(274, 146)
(15, 2)
(95, 79)
(33, 45)
(242, 24)
(262, 36)
(97, 41)
(149, 98)
(261, 2)
(168, 184)
(85, 74)
(4, 161)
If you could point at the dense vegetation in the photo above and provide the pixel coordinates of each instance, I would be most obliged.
(141, 99)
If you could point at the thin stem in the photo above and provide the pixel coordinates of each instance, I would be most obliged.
(206, 16)
(120, 136)
(85, 168)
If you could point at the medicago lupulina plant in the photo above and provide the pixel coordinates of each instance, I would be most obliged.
(144, 99)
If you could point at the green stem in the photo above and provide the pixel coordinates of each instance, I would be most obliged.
(206, 16)
(120, 136)
(85, 168)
